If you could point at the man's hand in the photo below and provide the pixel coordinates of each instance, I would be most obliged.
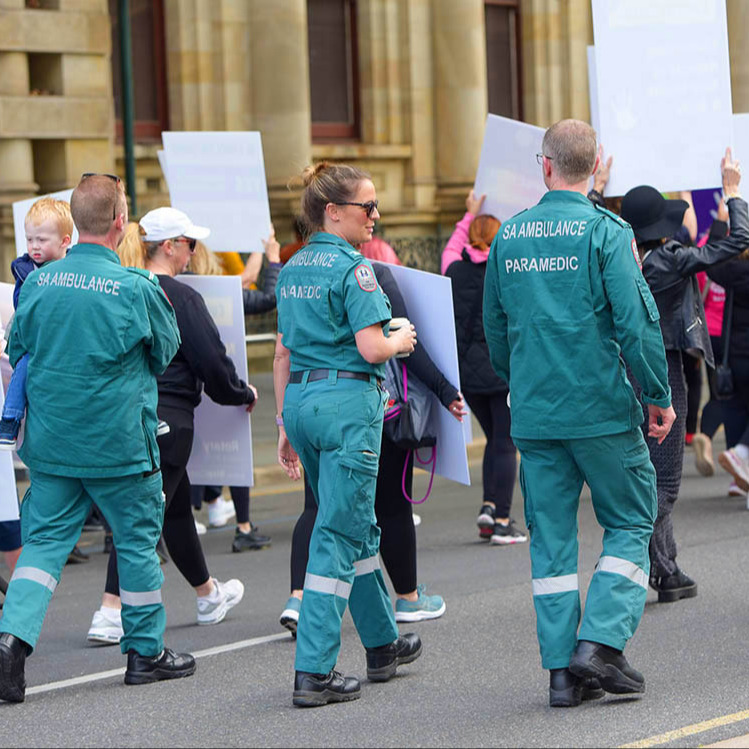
(474, 204)
(602, 174)
(730, 171)
(660, 421)
(287, 457)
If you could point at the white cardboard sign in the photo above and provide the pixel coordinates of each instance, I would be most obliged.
(595, 117)
(664, 84)
(429, 299)
(8, 491)
(508, 173)
(21, 208)
(218, 180)
(222, 445)
(162, 163)
(740, 150)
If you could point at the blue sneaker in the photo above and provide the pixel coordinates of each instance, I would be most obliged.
(290, 615)
(9, 429)
(424, 607)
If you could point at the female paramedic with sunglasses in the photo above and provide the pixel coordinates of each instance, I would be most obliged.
(333, 321)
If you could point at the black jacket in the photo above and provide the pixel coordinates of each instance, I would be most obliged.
(201, 359)
(256, 301)
(476, 372)
(734, 275)
(419, 362)
(670, 272)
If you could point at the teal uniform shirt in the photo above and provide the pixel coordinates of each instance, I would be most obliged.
(326, 293)
(564, 301)
(97, 334)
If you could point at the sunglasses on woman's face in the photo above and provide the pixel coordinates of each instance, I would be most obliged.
(370, 206)
(190, 242)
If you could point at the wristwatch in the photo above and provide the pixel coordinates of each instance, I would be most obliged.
(279, 421)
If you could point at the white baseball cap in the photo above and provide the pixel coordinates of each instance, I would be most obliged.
(168, 223)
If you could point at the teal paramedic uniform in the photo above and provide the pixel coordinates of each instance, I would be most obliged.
(97, 334)
(564, 301)
(326, 293)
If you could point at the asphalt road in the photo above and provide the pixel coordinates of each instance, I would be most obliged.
(478, 683)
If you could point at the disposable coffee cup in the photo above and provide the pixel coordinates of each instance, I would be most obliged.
(396, 324)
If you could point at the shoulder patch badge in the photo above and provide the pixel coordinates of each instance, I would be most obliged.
(365, 278)
(636, 253)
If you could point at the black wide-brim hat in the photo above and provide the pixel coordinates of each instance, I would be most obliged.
(650, 214)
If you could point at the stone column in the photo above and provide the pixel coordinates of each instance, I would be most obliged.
(460, 89)
(555, 70)
(738, 26)
(281, 100)
(422, 181)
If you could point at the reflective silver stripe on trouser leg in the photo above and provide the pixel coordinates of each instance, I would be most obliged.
(146, 598)
(619, 566)
(35, 575)
(544, 586)
(328, 585)
(367, 566)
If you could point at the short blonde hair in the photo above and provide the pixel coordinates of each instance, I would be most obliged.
(47, 209)
(131, 249)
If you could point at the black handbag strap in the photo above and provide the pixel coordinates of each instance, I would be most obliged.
(725, 333)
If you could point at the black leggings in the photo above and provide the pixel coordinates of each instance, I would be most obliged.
(500, 457)
(394, 516)
(240, 495)
(179, 524)
(693, 377)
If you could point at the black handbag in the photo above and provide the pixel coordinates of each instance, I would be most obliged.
(407, 414)
(723, 374)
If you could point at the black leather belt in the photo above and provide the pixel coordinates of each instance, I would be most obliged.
(322, 374)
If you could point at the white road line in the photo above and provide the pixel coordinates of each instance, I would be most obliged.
(229, 647)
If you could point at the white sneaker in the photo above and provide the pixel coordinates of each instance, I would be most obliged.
(417, 520)
(220, 512)
(106, 626)
(703, 454)
(732, 462)
(212, 608)
(734, 490)
(200, 528)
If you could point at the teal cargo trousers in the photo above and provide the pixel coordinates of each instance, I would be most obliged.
(52, 516)
(621, 478)
(335, 425)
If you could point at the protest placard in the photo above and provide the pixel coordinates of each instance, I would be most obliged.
(664, 91)
(595, 119)
(218, 180)
(222, 445)
(162, 163)
(508, 173)
(8, 491)
(21, 208)
(429, 299)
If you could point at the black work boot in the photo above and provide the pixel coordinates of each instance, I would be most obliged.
(13, 652)
(315, 690)
(568, 690)
(143, 669)
(383, 661)
(608, 665)
(674, 587)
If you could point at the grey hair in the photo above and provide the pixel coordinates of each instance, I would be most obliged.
(571, 145)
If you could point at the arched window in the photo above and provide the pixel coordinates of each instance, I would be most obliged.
(333, 69)
(149, 69)
(503, 57)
